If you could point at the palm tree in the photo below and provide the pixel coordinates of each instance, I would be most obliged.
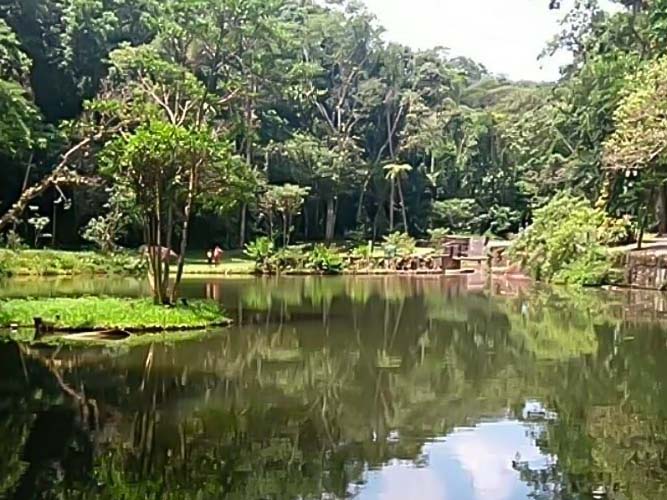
(395, 172)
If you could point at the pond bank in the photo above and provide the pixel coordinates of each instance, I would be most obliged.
(106, 315)
(68, 263)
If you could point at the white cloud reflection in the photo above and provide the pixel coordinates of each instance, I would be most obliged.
(470, 464)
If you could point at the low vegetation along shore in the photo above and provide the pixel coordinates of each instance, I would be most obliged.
(63, 263)
(107, 313)
(89, 263)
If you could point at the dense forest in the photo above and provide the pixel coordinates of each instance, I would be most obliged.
(129, 121)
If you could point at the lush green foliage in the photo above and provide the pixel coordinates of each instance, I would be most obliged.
(285, 200)
(252, 121)
(107, 312)
(59, 263)
(261, 251)
(105, 230)
(399, 245)
(325, 260)
(565, 242)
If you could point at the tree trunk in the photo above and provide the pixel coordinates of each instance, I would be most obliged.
(54, 224)
(168, 244)
(643, 221)
(403, 210)
(154, 259)
(662, 208)
(390, 133)
(161, 296)
(391, 205)
(184, 234)
(271, 224)
(242, 228)
(285, 222)
(331, 220)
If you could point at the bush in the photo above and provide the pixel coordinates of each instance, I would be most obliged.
(325, 260)
(288, 257)
(617, 231)
(456, 214)
(501, 220)
(437, 237)
(464, 215)
(13, 241)
(60, 263)
(261, 251)
(593, 268)
(105, 230)
(362, 251)
(399, 245)
(565, 242)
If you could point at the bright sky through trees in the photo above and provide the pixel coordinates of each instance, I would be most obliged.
(506, 36)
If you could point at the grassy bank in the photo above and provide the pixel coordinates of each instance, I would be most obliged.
(72, 263)
(99, 313)
(63, 263)
(234, 262)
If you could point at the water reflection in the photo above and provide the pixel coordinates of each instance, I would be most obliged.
(376, 388)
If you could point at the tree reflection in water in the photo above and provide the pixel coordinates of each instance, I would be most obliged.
(325, 385)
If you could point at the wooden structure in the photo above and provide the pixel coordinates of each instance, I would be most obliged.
(455, 252)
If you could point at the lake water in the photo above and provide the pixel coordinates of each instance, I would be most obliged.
(368, 388)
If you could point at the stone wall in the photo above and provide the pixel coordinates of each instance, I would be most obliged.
(646, 269)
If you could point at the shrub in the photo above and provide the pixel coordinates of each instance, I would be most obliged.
(437, 237)
(399, 245)
(362, 254)
(13, 241)
(105, 230)
(288, 257)
(261, 251)
(617, 231)
(564, 243)
(456, 214)
(362, 251)
(501, 220)
(57, 263)
(593, 268)
(325, 260)
(465, 215)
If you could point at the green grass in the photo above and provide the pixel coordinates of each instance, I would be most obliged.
(64, 263)
(70, 263)
(232, 265)
(95, 313)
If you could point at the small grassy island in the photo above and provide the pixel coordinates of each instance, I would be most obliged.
(107, 315)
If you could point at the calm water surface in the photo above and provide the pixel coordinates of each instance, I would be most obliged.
(366, 388)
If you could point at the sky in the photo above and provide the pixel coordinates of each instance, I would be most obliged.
(469, 464)
(505, 35)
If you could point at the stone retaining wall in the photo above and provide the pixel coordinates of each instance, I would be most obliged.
(646, 270)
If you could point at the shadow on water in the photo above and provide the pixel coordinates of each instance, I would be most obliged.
(372, 388)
